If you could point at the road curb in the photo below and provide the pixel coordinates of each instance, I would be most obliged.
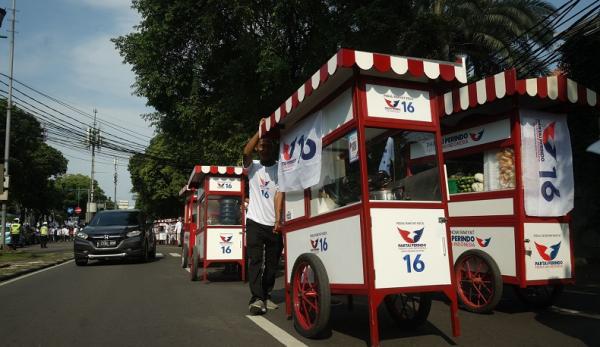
(33, 269)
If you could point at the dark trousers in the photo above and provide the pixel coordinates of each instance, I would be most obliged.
(260, 240)
(44, 241)
(14, 240)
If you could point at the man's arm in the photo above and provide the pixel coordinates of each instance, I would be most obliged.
(278, 208)
(249, 148)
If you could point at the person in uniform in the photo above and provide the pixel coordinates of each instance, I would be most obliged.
(15, 233)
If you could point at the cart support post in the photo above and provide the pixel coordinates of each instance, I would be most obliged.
(451, 294)
(374, 301)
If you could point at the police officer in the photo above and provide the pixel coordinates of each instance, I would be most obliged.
(15, 233)
(44, 235)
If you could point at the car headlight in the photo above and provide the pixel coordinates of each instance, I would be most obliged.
(82, 235)
(133, 233)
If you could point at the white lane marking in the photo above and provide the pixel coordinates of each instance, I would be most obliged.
(187, 269)
(570, 291)
(35, 273)
(159, 255)
(574, 312)
(177, 255)
(275, 331)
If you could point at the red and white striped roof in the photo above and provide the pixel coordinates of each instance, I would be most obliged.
(505, 83)
(201, 170)
(366, 61)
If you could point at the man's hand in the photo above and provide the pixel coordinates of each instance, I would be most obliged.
(277, 227)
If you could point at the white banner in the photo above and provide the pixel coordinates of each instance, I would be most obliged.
(486, 133)
(547, 164)
(398, 103)
(300, 155)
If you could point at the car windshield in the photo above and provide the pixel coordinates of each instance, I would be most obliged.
(115, 218)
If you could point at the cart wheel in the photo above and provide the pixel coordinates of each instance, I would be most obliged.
(194, 265)
(184, 257)
(311, 296)
(539, 296)
(478, 280)
(408, 310)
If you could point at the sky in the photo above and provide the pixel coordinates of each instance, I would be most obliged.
(63, 48)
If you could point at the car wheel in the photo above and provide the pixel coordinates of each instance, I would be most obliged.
(184, 257)
(153, 252)
(81, 262)
(146, 253)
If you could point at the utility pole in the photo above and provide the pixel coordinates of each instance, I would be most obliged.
(115, 161)
(93, 142)
(8, 114)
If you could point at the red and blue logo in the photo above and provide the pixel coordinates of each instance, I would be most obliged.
(547, 253)
(226, 237)
(286, 152)
(484, 242)
(391, 103)
(411, 236)
(548, 139)
(477, 136)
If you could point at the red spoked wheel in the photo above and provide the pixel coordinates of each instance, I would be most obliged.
(311, 296)
(408, 310)
(478, 281)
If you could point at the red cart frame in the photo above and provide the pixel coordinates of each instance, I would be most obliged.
(214, 236)
(357, 249)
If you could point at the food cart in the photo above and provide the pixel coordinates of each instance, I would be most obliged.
(217, 228)
(359, 218)
(189, 221)
(508, 156)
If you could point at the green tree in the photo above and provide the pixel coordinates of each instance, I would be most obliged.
(73, 191)
(33, 165)
(211, 69)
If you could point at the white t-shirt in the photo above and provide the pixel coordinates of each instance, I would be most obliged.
(263, 186)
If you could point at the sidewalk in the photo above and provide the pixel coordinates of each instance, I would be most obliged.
(33, 258)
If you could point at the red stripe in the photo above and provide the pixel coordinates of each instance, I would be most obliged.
(382, 62)
(229, 170)
(456, 100)
(562, 88)
(542, 87)
(510, 77)
(490, 89)
(323, 74)
(472, 94)
(214, 170)
(447, 72)
(415, 67)
(581, 94)
(295, 101)
(308, 89)
(521, 87)
(345, 57)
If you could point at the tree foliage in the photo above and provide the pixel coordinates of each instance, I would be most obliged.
(33, 165)
(73, 192)
(212, 68)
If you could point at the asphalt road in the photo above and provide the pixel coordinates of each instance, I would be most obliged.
(155, 304)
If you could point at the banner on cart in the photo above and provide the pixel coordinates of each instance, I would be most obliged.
(398, 103)
(548, 253)
(547, 164)
(475, 136)
(225, 184)
(300, 155)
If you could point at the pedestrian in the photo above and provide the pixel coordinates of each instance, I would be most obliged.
(179, 231)
(64, 233)
(263, 238)
(15, 233)
(44, 235)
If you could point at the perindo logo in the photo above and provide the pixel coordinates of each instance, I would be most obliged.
(306, 146)
(545, 144)
(483, 242)
(318, 242)
(392, 103)
(410, 236)
(224, 185)
(463, 238)
(477, 135)
(399, 104)
(226, 238)
(264, 187)
(548, 254)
